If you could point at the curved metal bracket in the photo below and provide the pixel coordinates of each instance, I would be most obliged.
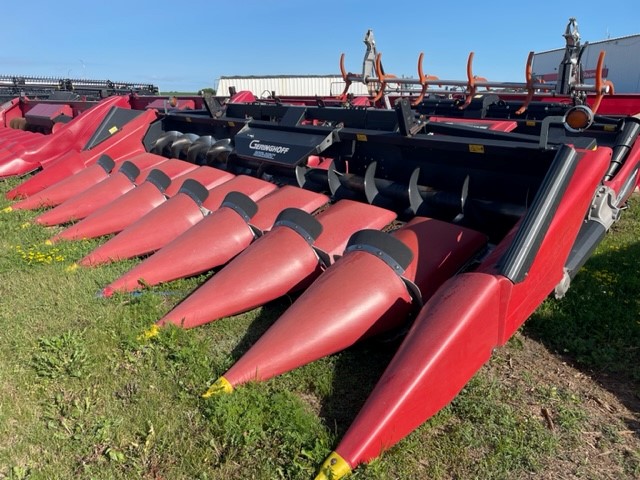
(528, 73)
(382, 78)
(415, 198)
(219, 151)
(106, 162)
(194, 190)
(391, 251)
(423, 79)
(602, 86)
(338, 187)
(464, 194)
(301, 222)
(181, 144)
(417, 201)
(383, 246)
(129, 170)
(164, 140)
(301, 175)
(159, 179)
(333, 178)
(345, 76)
(471, 83)
(242, 204)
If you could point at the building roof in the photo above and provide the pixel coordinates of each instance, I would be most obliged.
(608, 40)
(280, 76)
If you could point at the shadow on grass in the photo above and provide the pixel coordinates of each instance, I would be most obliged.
(267, 316)
(356, 372)
(596, 327)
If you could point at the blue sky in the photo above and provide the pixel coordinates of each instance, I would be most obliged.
(187, 45)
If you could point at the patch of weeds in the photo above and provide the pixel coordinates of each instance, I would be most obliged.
(16, 472)
(374, 470)
(316, 377)
(114, 455)
(105, 429)
(183, 354)
(143, 309)
(632, 463)
(110, 448)
(128, 392)
(122, 448)
(516, 343)
(180, 347)
(611, 434)
(267, 431)
(35, 255)
(61, 356)
(596, 323)
(66, 414)
(507, 440)
(563, 408)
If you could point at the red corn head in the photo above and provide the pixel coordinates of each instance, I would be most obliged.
(66, 166)
(124, 180)
(165, 223)
(285, 260)
(216, 239)
(122, 144)
(72, 185)
(69, 186)
(428, 370)
(25, 156)
(133, 205)
(371, 289)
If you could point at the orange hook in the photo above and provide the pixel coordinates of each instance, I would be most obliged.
(471, 83)
(382, 78)
(423, 81)
(528, 73)
(482, 79)
(345, 76)
(343, 72)
(600, 83)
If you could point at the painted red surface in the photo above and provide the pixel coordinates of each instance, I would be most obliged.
(224, 232)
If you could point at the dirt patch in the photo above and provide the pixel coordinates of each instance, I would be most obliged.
(605, 443)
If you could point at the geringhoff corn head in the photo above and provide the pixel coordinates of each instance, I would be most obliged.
(451, 215)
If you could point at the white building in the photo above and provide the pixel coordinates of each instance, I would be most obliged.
(289, 85)
(621, 62)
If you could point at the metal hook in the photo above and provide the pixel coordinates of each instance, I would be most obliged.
(528, 73)
(471, 83)
(602, 86)
(345, 76)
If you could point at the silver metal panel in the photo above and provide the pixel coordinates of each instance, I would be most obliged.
(620, 62)
(289, 85)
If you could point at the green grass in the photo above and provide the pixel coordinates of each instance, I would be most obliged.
(83, 395)
(599, 324)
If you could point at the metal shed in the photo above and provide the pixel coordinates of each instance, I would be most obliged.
(289, 85)
(621, 62)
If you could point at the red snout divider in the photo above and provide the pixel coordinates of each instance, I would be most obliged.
(171, 219)
(86, 178)
(339, 309)
(214, 241)
(280, 262)
(105, 192)
(135, 204)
